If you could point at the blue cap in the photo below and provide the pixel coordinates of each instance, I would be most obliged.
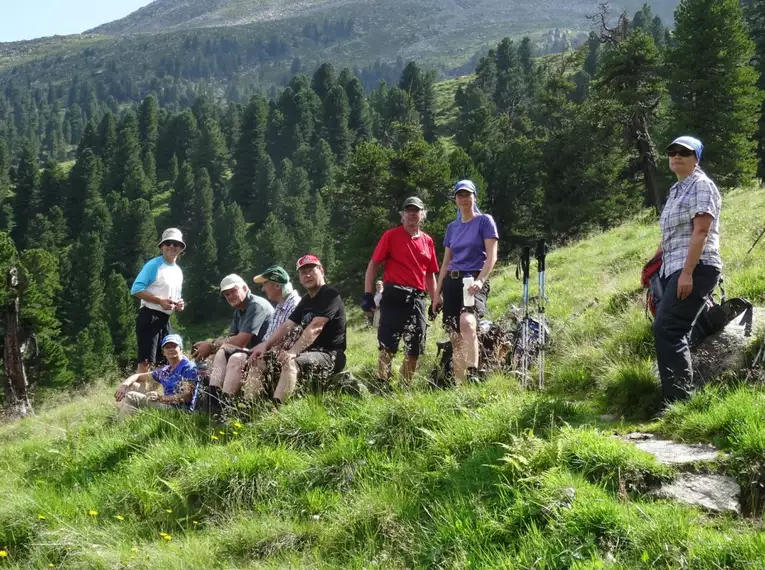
(174, 338)
(691, 143)
(465, 185)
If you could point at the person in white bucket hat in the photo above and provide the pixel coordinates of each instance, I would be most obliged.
(158, 286)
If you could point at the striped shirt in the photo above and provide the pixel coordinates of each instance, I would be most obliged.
(688, 198)
(281, 312)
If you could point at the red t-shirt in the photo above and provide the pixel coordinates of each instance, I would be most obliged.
(407, 259)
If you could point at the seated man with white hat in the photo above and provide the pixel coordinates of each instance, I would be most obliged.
(252, 315)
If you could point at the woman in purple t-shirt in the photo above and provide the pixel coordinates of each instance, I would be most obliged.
(471, 251)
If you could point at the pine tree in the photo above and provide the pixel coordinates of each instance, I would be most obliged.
(107, 139)
(52, 186)
(250, 149)
(133, 222)
(234, 251)
(27, 203)
(211, 154)
(630, 77)
(120, 316)
(182, 199)
(148, 134)
(42, 286)
(755, 15)
(127, 176)
(202, 293)
(84, 185)
(336, 122)
(5, 166)
(84, 301)
(419, 86)
(359, 119)
(713, 87)
(324, 79)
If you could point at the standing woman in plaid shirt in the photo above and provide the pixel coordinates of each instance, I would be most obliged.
(691, 263)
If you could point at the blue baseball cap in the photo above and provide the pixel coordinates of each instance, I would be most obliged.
(174, 338)
(691, 143)
(465, 185)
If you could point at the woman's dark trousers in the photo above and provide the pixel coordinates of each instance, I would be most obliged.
(672, 327)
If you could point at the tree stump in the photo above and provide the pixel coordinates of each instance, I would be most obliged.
(16, 398)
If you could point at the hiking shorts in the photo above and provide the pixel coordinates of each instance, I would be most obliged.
(402, 315)
(150, 328)
(453, 305)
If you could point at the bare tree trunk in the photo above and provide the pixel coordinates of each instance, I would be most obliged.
(16, 399)
(644, 146)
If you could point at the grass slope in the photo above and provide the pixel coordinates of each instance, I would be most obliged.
(486, 476)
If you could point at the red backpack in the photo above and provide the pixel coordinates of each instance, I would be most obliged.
(649, 279)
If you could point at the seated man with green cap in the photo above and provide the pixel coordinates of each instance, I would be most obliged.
(281, 293)
(179, 381)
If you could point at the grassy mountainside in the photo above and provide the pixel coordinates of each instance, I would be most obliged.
(257, 41)
(485, 476)
(429, 15)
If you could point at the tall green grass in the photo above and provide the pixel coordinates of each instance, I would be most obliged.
(484, 476)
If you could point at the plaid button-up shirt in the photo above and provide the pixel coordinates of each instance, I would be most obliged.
(281, 312)
(688, 198)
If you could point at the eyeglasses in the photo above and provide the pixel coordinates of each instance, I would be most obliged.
(684, 152)
(172, 244)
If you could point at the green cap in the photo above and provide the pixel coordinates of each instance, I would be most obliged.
(414, 201)
(275, 273)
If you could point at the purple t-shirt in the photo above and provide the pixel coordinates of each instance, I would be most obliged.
(466, 242)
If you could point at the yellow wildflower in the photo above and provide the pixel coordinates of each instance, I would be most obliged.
(42, 517)
(221, 432)
(214, 437)
(167, 537)
(119, 517)
(195, 522)
(3, 553)
(237, 425)
(169, 511)
(235, 432)
(93, 513)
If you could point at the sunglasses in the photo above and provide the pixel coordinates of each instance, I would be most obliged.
(173, 244)
(684, 152)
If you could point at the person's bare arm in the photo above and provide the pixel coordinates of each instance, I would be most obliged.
(129, 381)
(491, 245)
(310, 333)
(701, 225)
(369, 278)
(276, 338)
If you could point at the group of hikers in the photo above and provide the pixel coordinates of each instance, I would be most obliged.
(277, 342)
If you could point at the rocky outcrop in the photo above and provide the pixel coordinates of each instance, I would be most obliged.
(725, 351)
(714, 493)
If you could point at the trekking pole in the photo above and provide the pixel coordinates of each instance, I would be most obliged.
(541, 254)
(524, 360)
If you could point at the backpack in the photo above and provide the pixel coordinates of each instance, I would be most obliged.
(712, 316)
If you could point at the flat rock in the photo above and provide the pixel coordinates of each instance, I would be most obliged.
(670, 452)
(724, 351)
(715, 493)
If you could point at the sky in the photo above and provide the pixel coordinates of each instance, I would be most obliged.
(29, 19)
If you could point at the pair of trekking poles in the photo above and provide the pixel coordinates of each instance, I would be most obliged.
(530, 343)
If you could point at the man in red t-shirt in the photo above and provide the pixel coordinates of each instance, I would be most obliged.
(411, 266)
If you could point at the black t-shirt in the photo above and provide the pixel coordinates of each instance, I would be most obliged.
(327, 303)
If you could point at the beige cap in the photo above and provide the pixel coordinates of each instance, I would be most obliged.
(231, 281)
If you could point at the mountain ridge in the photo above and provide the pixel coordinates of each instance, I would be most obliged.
(169, 15)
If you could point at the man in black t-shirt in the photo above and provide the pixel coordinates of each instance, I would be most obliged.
(319, 352)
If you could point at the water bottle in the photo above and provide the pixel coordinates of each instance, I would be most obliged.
(468, 300)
